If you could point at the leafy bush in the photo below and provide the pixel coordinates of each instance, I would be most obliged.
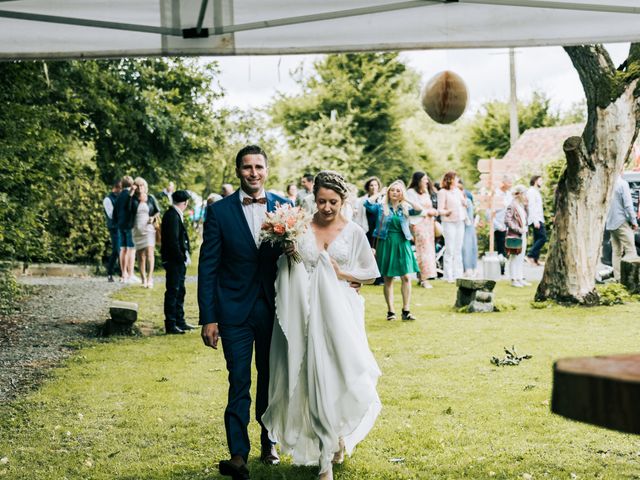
(10, 291)
(613, 294)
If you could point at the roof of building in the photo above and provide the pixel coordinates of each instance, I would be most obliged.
(537, 147)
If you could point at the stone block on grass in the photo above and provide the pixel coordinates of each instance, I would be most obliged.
(123, 317)
(475, 295)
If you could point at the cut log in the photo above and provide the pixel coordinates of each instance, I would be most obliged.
(603, 391)
(630, 274)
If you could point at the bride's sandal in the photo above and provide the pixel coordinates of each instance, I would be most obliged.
(338, 457)
(391, 316)
(328, 475)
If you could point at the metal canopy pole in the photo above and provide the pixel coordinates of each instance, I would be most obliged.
(203, 10)
(318, 17)
(586, 7)
(82, 22)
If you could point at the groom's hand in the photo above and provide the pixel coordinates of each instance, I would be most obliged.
(210, 335)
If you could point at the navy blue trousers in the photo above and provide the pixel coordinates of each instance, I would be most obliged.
(539, 239)
(238, 343)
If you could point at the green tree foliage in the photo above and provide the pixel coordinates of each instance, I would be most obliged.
(328, 144)
(488, 133)
(361, 92)
(241, 127)
(68, 129)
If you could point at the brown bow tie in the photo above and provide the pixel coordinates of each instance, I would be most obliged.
(249, 200)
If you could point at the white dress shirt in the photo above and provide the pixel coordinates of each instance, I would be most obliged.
(108, 207)
(535, 213)
(255, 214)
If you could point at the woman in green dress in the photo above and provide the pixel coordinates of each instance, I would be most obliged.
(392, 239)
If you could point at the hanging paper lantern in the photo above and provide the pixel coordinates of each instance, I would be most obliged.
(444, 97)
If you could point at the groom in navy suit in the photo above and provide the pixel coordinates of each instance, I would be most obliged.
(236, 296)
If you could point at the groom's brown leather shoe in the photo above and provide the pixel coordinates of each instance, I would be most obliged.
(269, 455)
(236, 472)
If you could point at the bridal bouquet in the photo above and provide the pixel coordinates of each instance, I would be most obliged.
(284, 226)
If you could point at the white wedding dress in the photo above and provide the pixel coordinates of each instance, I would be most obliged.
(322, 374)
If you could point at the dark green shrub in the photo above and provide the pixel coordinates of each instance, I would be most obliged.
(10, 291)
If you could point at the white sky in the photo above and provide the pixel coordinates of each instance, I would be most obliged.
(252, 81)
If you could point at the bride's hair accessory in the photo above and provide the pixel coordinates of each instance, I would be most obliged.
(333, 181)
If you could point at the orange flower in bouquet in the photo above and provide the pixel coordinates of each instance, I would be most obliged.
(284, 226)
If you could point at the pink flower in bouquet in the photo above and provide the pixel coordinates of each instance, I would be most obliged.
(284, 226)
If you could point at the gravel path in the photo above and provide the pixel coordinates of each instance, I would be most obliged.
(57, 313)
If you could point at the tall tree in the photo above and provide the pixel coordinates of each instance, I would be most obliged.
(364, 87)
(593, 163)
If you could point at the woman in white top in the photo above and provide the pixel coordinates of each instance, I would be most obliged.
(452, 206)
(322, 386)
(422, 227)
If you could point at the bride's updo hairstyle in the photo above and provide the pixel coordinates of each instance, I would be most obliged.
(333, 181)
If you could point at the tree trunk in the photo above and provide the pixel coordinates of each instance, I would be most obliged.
(593, 163)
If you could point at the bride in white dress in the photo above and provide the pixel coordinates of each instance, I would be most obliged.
(322, 390)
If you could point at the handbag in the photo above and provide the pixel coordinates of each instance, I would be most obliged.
(513, 242)
(157, 226)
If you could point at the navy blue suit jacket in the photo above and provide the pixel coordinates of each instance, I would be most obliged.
(232, 270)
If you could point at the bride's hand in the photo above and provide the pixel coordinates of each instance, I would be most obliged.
(290, 248)
(337, 269)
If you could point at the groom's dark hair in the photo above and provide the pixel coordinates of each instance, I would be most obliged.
(250, 150)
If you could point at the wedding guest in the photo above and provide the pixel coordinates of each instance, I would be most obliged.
(109, 203)
(292, 192)
(175, 251)
(307, 189)
(123, 219)
(470, 238)
(227, 189)
(536, 219)
(452, 209)
(423, 228)
(393, 244)
(622, 223)
(168, 191)
(516, 221)
(363, 217)
(144, 208)
(503, 199)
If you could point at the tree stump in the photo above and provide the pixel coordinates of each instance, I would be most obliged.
(123, 317)
(603, 391)
(630, 274)
(475, 295)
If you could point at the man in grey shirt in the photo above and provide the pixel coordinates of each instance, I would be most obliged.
(621, 223)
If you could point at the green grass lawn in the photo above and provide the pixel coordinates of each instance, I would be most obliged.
(152, 407)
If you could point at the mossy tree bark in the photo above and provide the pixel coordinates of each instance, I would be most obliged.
(593, 162)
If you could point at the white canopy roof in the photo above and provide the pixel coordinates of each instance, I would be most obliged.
(107, 28)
